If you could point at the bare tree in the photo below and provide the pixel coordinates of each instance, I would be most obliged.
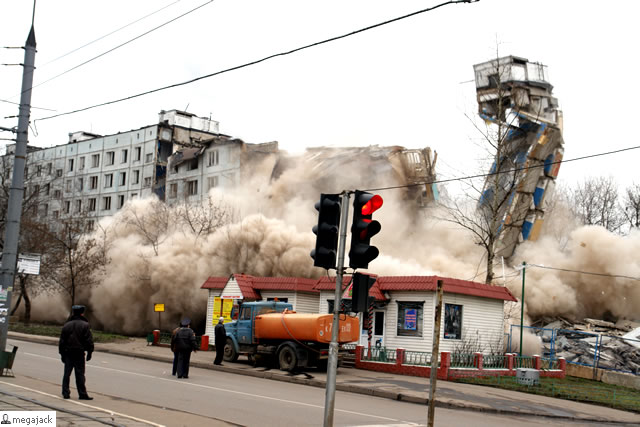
(631, 206)
(595, 202)
(202, 218)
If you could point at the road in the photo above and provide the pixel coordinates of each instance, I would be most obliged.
(145, 389)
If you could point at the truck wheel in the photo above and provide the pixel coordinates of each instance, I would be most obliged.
(230, 353)
(288, 359)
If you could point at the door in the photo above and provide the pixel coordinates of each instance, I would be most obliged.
(244, 325)
(377, 329)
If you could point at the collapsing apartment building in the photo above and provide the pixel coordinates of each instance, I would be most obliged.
(515, 95)
(180, 158)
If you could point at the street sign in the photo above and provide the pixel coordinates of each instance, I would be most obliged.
(29, 264)
(158, 307)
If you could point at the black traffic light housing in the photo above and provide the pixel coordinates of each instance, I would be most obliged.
(360, 292)
(363, 228)
(324, 255)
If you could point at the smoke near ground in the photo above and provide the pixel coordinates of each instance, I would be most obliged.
(156, 258)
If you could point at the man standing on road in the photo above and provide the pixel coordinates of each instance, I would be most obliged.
(220, 336)
(75, 339)
(184, 341)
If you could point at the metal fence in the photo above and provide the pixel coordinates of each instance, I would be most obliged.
(418, 358)
(378, 354)
(583, 348)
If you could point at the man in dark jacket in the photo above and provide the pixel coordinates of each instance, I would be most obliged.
(220, 336)
(184, 342)
(75, 339)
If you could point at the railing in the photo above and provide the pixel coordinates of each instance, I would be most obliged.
(165, 339)
(549, 364)
(524, 362)
(495, 361)
(378, 354)
(462, 360)
(418, 358)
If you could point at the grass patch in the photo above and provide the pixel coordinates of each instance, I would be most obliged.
(54, 331)
(570, 388)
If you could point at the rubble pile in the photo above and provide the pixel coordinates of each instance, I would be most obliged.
(616, 346)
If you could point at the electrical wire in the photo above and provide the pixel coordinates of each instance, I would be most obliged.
(35, 108)
(442, 181)
(258, 61)
(108, 34)
(584, 272)
(123, 44)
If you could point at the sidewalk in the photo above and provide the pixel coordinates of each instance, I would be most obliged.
(396, 387)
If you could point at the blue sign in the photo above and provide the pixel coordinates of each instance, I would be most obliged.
(410, 319)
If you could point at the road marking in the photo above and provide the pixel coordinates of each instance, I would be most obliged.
(108, 411)
(231, 391)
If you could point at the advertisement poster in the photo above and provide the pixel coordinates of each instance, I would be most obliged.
(453, 321)
(217, 309)
(410, 319)
(222, 307)
(227, 306)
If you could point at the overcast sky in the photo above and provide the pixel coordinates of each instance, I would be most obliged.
(408, 83)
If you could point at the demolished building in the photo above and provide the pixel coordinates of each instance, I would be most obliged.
(515, 95)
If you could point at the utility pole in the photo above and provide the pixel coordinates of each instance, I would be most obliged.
(16, 193)
(524, 265)
(434, 355)
(332, 366)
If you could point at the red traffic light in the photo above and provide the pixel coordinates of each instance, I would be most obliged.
(372, 205)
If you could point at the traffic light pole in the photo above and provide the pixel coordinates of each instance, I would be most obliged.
(332, 366)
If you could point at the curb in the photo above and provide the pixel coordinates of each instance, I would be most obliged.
(349, 388)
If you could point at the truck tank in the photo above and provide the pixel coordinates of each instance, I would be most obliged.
(305, 327)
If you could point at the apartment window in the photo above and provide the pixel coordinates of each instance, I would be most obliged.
(58, 173)
(120, 201)
(49, 168)
(192, 187)
(47, 189)
(193, 164)
(138, 154)
(410, 319)
(93, 182)
(136, 177)
(173, 191)
(95, 160)
(26, 172)
(56, 214)
(123, 156)
(147, 181)
(212, 182)
(149, 158)
(90, 225)
(452, 322)
(134, 195)
(39, 170)
(78, 205)
(213, 158)
(57, 194)
(111, 155)
(67, 206)
(108, 180)
(67, 185)
(70, 163)
(36, 189)
(81, 165)
(45, 210)
(92, 204)
(106, 203)
(122, 178)
(80, 184)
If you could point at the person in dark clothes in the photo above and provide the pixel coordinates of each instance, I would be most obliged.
(175, 353)
(220, 337)
(184, 341)
(75, 339)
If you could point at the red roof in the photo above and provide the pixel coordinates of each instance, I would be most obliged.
(251, 285)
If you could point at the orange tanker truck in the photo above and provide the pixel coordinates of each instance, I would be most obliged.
(271, 331)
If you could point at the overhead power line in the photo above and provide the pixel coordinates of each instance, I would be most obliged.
(584, 272)
(258, 61)
(121, 45)
(110, 33)
(484, 175)
(32, 107)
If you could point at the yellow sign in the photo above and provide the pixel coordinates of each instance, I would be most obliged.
(221, 307)
(158, 307)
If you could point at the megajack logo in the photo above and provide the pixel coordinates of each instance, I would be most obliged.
(28, 418)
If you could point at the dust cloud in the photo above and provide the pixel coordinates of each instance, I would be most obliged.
(155, 258)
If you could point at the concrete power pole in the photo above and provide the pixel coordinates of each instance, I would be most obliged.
(14, 210)
(434, 354)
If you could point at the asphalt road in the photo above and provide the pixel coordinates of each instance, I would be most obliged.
(146, 389)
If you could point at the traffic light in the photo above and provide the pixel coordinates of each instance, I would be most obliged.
(363, 228)
(324, 255)
(360, 292)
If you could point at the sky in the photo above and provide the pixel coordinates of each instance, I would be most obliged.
(408, 83)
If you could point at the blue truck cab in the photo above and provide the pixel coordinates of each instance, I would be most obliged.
(240, 338)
